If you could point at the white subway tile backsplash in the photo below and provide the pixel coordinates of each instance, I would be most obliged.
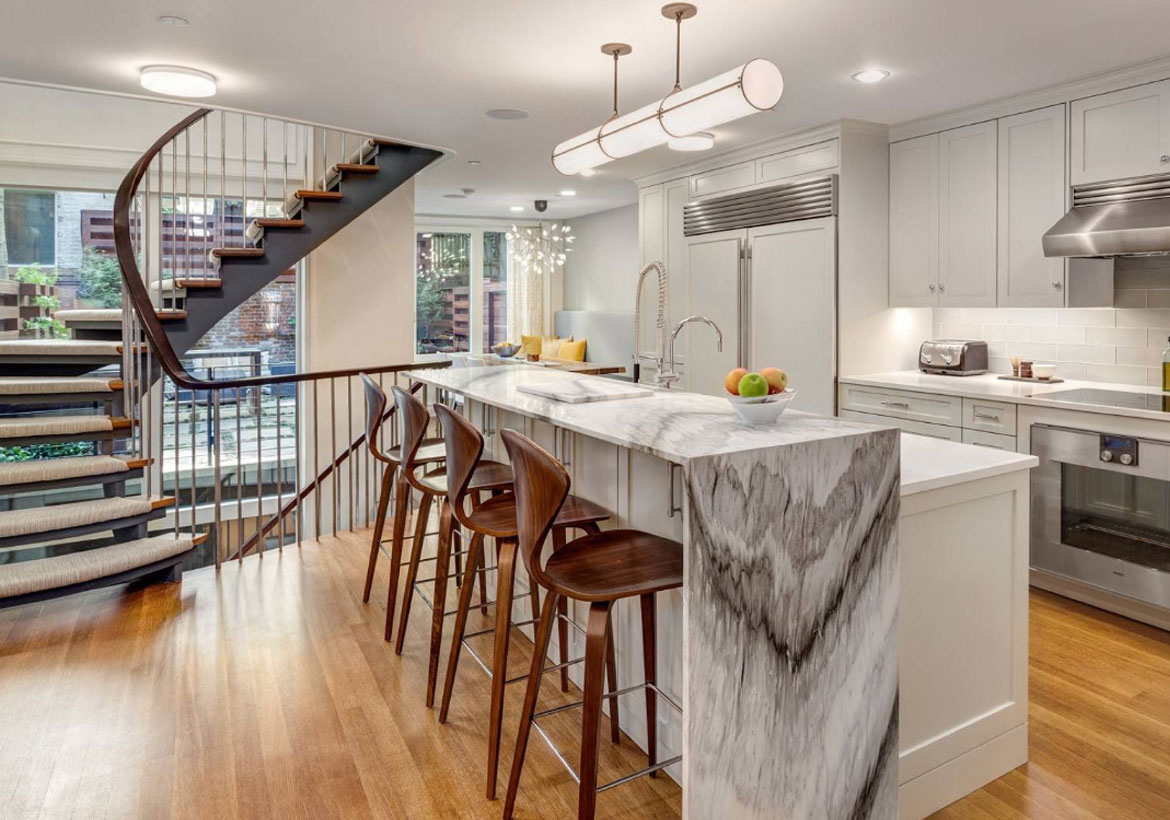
(1129, 298)
(1071, 370)
(1117, 336)
(1143, 318)
(1116, 373)
(1089, 354)
(960, 330)
(1029, 316)
(1158, 298)
(1016, 333)
(1087, 317)
(1141, 356)
(1033, 351)
(1067, 335)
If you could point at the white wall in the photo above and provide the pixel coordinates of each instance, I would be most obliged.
(602, 270)
(1122, 344)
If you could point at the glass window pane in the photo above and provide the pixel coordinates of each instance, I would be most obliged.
(495, 289)
(442, 293)
(30, 227)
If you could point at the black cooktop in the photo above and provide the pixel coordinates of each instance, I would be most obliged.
(1159, 402)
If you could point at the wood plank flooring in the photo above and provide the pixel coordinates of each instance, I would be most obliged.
(268, 692)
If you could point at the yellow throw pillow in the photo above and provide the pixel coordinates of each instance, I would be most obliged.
(529, 346)
(571, 351)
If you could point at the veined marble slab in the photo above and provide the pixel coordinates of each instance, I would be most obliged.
(669, 424)
(792, 586)
(578, 391)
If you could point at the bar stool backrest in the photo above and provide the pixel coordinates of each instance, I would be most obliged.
(414, 428)
(464, 446)
(375, 411)
(542, 485)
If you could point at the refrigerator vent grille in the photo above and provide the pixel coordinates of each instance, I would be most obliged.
(809, 199)
(1122, 190)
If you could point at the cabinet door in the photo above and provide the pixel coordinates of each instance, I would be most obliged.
(966, 216)
(792, 281)
(652, 246)
(714, 289)
(914, 222)
(810, 159)
(675, 196)
(724, 180)
(1121, 134)
(1032, 195)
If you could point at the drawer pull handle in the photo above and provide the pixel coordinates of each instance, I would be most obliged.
(986, 417)
(901, 405)
(989, 446)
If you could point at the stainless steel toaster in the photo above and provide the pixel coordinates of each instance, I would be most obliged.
(953, 357)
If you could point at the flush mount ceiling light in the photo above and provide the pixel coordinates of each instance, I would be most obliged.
(871, 75)
(516, 208)
(702, 141)
(757, 85)
(568, 192)
(176, 81)
(173, 21)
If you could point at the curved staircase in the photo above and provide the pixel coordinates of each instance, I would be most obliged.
(82, 520)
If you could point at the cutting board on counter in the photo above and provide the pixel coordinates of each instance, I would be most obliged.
(577, 391)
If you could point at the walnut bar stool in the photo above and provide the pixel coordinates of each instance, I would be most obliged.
(488, 475)
(496, 518)
(431, 451)
(599, 569)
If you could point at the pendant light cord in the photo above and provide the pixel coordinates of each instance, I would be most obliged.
(615, 83)
(678, 18)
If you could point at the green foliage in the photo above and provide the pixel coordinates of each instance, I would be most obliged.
(49, 326)
(51, 303)
(34, 452)
(36, 276)
(100, 279)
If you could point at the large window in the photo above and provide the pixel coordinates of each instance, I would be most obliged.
(461, 290)
(30, 227)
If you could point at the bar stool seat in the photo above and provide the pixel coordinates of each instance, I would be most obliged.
(497, 516)
(615, 564)
(489, 475)
(431, 451)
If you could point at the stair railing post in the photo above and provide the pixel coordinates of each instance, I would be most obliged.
(264, 171)
(222, 221)
(243, 205)
(333, 450)
(279, 472)
(216, 441)
(260, 468)
(239, 478)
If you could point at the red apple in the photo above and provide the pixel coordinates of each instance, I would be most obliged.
(731, 383)
(776, 378)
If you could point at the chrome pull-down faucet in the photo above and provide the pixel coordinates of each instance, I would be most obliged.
(669, 376)
(660, 324)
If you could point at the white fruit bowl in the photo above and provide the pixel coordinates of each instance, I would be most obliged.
(761, 409)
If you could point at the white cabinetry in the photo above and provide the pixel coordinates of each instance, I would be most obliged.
(986, 423)
(1032, 194)
(1121, 134)
(660, 226)
(914, 222)
(715, 290)
(724, 180)
(966, 216)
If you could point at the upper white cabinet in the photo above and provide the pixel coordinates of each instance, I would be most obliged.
(966, 216)
(1032, 195)
(660, 226)
(914, 222)
(822, 156)
(724, 180)
(1121, 134)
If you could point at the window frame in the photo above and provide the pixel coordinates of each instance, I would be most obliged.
(56, 251)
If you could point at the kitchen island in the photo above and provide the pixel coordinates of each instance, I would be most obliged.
(783, 643)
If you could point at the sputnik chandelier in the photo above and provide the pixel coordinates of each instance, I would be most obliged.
(752, 87)
(540, 248)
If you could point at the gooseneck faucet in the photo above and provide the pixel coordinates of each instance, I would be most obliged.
(669, 376)
(660, 324)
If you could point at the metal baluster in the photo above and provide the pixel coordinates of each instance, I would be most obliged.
(178, 495)
(194, 481)
(218, 480)
(203, 222)
(316, 466)
(333, 450)
(259, 468)
(186, 209)
(222, 221)
(351, 457)
(243, 219)
(279, 474)
(175, 208)
(298, 419)
(264, 170)
(284, 167)
(239, 481)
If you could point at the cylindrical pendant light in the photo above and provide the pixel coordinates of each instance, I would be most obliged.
(755, 86)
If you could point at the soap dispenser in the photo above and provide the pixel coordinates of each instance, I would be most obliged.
(1166, 367)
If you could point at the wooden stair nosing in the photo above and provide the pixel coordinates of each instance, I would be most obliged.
(356, 168)
(276, 223)
(84, 529)
(164, 568)
(236, 253)
(318, 195)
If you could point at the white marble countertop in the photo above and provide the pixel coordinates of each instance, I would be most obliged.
(670, 424)
(931, 463)
(991, 387)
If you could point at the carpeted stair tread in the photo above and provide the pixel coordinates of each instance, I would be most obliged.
(34, 520)
(42, 574)
(59, 469)
(59, 347)
(89, 315)
(18, 427)
(36, 385)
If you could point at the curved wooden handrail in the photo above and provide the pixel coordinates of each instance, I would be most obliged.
(139, 297)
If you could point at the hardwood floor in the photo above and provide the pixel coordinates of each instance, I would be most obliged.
(270, 693)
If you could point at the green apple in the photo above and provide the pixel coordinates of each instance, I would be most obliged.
(753, 385)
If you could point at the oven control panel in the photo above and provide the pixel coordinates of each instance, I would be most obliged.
(1119, 450)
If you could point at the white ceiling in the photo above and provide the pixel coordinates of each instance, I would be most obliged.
(427, 70)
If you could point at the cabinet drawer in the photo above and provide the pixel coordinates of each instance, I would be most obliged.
(989, 416)
(807, 160)
(928, 407)
(919, 428)
(993, 440)
(724, 179)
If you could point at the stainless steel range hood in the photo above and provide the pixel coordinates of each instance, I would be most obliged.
(1128, 217)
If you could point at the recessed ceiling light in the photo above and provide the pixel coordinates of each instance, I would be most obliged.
(693, 142)
(424, 236)
(871, 75)
(173, 21)
(474, 162)
(587, 172)
(454, 196)
(568, 192)
(507, 114)
(516, 208)
(175, 81)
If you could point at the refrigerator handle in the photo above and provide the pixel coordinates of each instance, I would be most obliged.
(745, 312)
(740, 303)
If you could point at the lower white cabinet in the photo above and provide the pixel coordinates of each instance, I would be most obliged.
(919, 428)
(982, 422)
(993, 440)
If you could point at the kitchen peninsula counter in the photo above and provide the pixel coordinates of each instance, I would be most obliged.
(783, 642)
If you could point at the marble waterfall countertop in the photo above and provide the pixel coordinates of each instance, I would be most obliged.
(670, 424)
